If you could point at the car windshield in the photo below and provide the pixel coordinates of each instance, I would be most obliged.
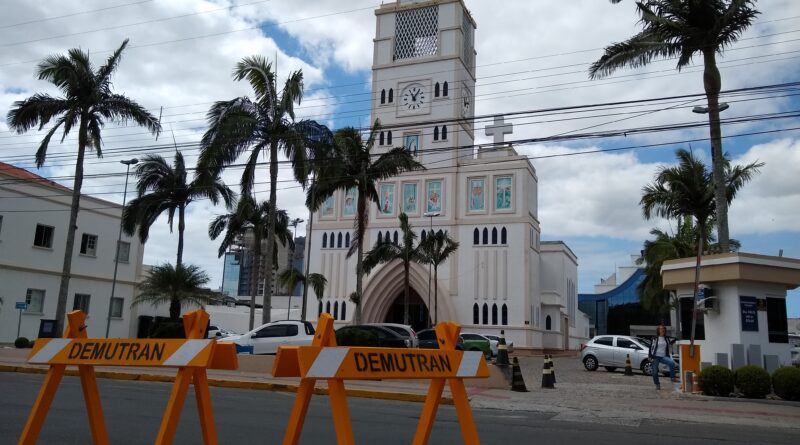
(643, 341)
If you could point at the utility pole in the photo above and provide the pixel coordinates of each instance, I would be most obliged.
(127, 164)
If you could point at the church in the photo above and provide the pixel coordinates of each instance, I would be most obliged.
(502, 277)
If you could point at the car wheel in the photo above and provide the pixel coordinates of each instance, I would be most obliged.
(647, 367)
(590, 363)
(611, 368)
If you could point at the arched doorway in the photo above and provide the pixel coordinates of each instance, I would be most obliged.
(417, 310)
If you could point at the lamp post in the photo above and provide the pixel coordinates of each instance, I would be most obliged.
(294, 224)
(430, 215)
(128, 164)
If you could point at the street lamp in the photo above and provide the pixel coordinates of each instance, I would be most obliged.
(128, 164)
(431, 215)
(294, 224)
(703, 110)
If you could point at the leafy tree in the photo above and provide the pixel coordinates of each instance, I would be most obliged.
(406, 252)
(169, 192)
(250, 219)
(355, 166)
(177, 285)
(88, 102)
(687, 191)
(264, 126)
(681, 29)
(436, 249)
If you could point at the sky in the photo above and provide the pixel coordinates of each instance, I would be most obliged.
(530, 56)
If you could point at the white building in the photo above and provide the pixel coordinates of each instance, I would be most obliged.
(34, 214)
(502, 276)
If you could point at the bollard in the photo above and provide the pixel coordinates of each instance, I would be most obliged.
(517, 383)
(688, 382)
(547, 375)
(502, 351)
(628, 367)
(552, 367)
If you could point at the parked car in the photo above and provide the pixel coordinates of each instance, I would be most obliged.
(219, 333)
(402, 329)
(796, 356)
(427, 339)
(610, 351)
(480, 339)
(371, 335)
(266, 338)
(495, 340)
(476, 342)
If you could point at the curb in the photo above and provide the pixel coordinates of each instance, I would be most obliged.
(704, 398)
(235, 384)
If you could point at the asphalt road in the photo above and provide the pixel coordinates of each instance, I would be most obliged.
(133, 413)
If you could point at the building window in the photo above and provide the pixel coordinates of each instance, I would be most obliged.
(336, 310)
(395, 237)
(494, 235)
(485, 313)
(116, 307)
(383, 97)
(504, 315)
(347, 239)
(89, 244)
(380, 139)
(435, 133)
(387, 238)
(344, 310)
(444, 89)
(485, 235)
(777, 324)
(503, 236)
(389, 137)
(391, 95)
(475, 319)
(333, 239)
(444, 132)
(436, 90)
(494, 314)
(123, 251)
(1, 223)
(339, 241)
(81, 303)
(319, 310)
(422, 236)
(35, 300)
(328, 307)
(380, 238)
(43, 236)
(476, 236)
(324, 240)
(548, 323)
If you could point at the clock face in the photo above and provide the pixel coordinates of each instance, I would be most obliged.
(413, 97)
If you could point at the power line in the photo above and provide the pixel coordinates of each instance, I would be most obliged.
(46, 19)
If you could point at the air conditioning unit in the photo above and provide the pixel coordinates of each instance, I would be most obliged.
(711, 304)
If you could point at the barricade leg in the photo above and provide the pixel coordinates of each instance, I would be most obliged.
(204, 411)
(299, 410)
(429, 410)
(91, 395)
(464, 413)
(33, 426)
(341, 414)
(174, 407)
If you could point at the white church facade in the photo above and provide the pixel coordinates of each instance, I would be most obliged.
(502, 276)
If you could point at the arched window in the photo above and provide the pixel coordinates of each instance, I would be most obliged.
(422, 236)
(339, 241)
(475, 319)
(383, 97)
(476, 236)
(328, 307)
(389, 138)
(336, 310)
(485, 313)
(347, 239)
(391, 95)
(344, 310)
(380, 238)
(504, 315)
(548, 323)
(440, 233)
(494, 235)
(436, 90)
(494, 314)
(380, 139)
(435, 133)
(503, 236)
(387, 238)
(395, 237)
(444, 89)
(319, 312)
(485, 235)
(444, 132)
(333, 238)
(324, 240)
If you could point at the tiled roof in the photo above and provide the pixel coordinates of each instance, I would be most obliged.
(27, 176)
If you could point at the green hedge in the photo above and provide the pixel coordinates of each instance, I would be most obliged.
(716, 381)
(786, 382)
(753, 381)
(21, 342)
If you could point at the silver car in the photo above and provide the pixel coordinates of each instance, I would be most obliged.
(610, 352)
(404, 330)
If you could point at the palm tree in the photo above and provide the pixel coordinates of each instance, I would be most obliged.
(681, 29)
(250, 218)
(169, 193)
(356, 167)
(88, 102)
(291, 277)
(687, 191)
(177, 285)
(436, 249)
(406, 252)
(265, 125)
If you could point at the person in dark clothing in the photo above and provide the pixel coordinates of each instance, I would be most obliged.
(661, 352)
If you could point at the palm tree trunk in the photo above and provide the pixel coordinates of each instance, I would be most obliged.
(181, 228)
(271, 219)
(63, 288)
(174, 309)
(307, 264)
(700, 235)
(361, 229)
(255, 278)
(712, 83)
(435, 294)
(405, 293)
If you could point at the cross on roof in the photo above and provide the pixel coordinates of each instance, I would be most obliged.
(499, 129)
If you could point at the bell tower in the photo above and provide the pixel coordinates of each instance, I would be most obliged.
(423, 80)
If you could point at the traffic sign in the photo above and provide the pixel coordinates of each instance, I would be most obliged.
(21, 305)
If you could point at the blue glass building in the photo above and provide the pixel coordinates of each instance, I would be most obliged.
(230, 274)
(615, 311)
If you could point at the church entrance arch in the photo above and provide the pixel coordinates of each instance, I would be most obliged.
(417, 311)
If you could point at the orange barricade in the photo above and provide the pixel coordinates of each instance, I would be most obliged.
(323, 360)
(191, 356)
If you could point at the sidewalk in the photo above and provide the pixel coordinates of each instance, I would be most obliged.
(579, 396)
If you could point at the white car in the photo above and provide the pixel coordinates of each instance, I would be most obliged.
(402, 329)
(266, 339)
(796, 356)
(494, 340)
(219, 333)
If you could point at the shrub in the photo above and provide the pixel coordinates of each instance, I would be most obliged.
(716, 381)
(356, 337)
(169, 329)
(786, 382)
(31, 343)
(753, 381)
(21, 342)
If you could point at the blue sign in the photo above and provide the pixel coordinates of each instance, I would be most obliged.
(21, 305)
(749, 309)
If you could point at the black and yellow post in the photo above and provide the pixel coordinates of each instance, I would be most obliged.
(502, 351)
(547, 375)
(517, 382)
(628, 367)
